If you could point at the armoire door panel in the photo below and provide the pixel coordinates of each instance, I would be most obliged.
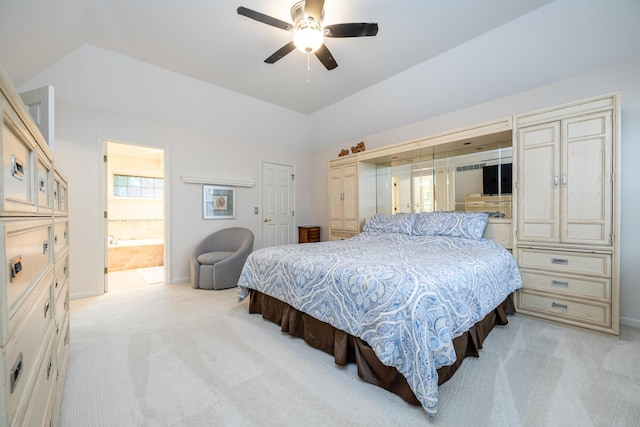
(539, 183)
(336, 195)
(350, 189)
(587, 180)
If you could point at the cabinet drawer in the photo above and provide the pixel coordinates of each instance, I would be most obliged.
(587, 287)
(44, 177)
(63, 346)
(60, 235)
(18, 165)
(61, 307)
(59, 193)
(565, 262)
(25, 349)
(39, 408)
(569, 310)
(341, 235)
(27, 255)
(61, 274)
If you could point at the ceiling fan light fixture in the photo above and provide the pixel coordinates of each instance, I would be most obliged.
(308, 36)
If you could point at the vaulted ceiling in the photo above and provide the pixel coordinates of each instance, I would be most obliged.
(207, 40)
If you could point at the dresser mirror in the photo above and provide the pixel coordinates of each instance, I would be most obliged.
(473, 175)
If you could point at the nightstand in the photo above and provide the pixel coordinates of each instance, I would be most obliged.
(308, 234)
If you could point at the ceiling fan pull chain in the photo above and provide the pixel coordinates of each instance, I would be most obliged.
(308, 66)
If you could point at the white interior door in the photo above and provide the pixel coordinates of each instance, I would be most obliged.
(105, 215)
(277, 205)
(41, 105)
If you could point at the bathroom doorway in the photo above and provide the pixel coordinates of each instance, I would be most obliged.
(134, 217)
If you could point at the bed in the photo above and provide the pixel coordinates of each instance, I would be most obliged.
(412, 295)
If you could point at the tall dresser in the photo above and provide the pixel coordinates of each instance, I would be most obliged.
(567, 209)
(34, 285)
(343, 199)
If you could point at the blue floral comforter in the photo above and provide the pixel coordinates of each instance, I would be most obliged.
(407, 296)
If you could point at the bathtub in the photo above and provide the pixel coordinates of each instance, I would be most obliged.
(132, 254)
(137, 242)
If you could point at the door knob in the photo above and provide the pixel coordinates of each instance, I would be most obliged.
(267, 220)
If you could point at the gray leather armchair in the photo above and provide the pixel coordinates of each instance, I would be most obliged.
(216, 263)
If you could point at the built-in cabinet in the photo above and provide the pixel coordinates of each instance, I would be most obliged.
(560, 223)
(499, 206)
(567, 214)
(343, 199)
(34, 285)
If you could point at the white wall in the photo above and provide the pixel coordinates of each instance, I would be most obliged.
(80, 131)
(206, 131)
(622, 77)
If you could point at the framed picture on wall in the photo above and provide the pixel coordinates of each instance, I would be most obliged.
(218, 202)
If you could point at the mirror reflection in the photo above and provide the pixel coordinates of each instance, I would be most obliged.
(472, 179)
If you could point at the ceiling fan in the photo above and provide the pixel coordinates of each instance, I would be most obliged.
(308, 32)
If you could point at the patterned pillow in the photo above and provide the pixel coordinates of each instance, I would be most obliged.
(398, 223)
(468, 225)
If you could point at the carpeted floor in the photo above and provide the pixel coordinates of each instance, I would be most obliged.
(176, 356)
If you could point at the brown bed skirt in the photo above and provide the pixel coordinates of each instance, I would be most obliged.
(346, 348)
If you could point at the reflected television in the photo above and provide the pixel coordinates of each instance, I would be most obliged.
(496, 179)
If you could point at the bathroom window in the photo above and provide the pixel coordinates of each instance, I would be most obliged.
(138, 186)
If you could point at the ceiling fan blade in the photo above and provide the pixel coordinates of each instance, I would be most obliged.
(280, 53)
(265, 19)
(326, 58)
(355, 29)
(313, 8)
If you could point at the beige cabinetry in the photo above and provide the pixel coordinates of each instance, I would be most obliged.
(567, 214)
(343, 199)
(561, 222)
(34, 248)
(498, 206)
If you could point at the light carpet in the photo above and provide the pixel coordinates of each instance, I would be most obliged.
(177, 356)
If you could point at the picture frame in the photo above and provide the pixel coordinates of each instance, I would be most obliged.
(218, 202)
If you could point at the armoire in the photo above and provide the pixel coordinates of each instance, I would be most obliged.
(560, 219)
(34, 275)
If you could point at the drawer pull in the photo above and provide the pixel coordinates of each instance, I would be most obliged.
(55, 239)
(559, 284)
(43, 185)
(55, 285)
(561, 261)
(46, 309)
(559, 306)
(15, 265)
(45, 247)
(17, 168)
(15, 373)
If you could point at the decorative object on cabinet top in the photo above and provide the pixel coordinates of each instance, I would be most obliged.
(359, 147)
